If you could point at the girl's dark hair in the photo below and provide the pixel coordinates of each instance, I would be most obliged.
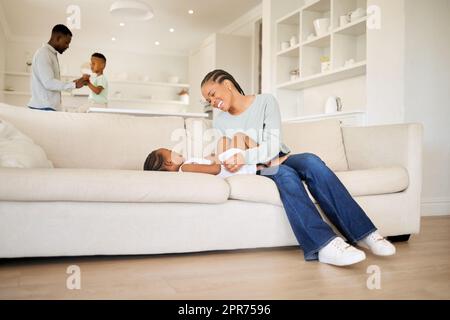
(154, 162)
(220, 76)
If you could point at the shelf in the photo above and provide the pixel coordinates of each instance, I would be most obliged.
(152, 101)
(26, 93)
(142, 112)
(323, 78)
(339, 114)
(289, 52)
(19, 74)
(151, 83)
(291, 18)
(318, 6)
(354, 28)
(26, 74)
(320, 42)
(146, 83)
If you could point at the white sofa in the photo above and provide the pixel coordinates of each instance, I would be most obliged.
(98, 201)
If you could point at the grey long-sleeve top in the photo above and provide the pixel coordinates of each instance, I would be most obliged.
(262, 122)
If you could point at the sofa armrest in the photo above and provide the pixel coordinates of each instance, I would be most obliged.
(389, 145)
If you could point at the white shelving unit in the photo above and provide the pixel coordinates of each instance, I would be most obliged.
(132, 92)
(138, 112)
(346, 118)
(339, 44)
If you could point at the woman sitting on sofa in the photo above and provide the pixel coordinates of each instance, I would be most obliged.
(260, 115)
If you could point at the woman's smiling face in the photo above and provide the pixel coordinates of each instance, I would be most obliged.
(218, 95)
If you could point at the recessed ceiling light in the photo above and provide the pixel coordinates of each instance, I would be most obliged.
(121, 24)
(113, 39)
(156, 43)
(191, 11)
(172, 30)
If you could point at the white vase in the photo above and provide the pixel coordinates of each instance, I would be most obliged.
(321, 26)
(184, 98)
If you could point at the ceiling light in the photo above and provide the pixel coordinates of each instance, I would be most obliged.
(121, 24)
(131, 10)
(191, 11)
(156, 43)
(172, 30)
(113, 39)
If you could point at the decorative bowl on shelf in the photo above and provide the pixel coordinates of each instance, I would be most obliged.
(285, 45)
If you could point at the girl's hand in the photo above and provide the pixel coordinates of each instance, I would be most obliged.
(234, 163)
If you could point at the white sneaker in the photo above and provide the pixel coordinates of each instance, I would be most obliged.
(377, 244)
(340, 253)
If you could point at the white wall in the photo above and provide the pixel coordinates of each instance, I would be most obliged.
(385, 64)
(220, 51)
(201, 61)
(2, 61)
(427, 94)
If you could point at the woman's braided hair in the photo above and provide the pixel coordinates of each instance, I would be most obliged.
(154, 162)
(220, 76)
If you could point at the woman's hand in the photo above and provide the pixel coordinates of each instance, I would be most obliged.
(234, 163)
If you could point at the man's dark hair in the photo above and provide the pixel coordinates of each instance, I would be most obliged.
(154, 162)
(99, 55)
(220, 76)
(62, 29)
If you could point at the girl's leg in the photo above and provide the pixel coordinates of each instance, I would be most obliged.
(332, 196)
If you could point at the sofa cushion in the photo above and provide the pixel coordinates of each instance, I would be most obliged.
(19, 151)
(110, 186)
(358, 182)
(96, 141)
(323, 138)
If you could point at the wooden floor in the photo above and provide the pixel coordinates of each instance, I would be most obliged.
(419, 270)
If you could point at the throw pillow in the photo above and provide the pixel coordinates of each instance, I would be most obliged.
(18, 151)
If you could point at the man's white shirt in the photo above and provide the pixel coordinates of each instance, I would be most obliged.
(46, 84)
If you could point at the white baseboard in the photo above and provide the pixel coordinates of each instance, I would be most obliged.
(435, 207)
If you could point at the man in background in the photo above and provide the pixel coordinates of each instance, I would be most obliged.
(46, 84)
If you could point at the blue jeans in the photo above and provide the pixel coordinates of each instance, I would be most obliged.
(43, 109)
(311, 231)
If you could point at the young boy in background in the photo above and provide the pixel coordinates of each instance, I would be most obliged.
(98, 84)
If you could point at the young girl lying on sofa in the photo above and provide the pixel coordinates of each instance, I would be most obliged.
(167, 160)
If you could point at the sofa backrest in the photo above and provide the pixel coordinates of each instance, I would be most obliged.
(323, 138)
(96, 141)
